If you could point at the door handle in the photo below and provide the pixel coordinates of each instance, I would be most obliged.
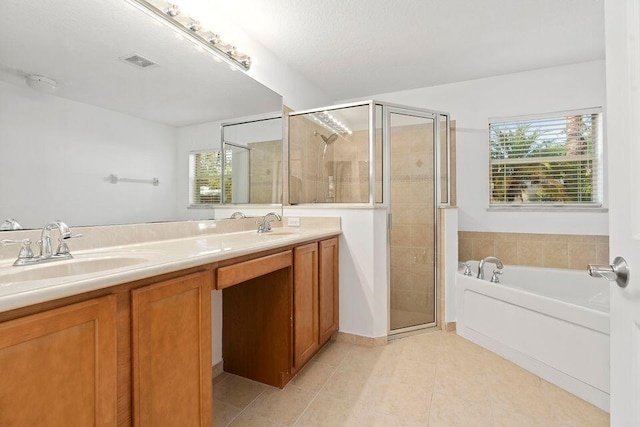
(617, 272)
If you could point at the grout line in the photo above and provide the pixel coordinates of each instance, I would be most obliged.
(248, 404)
(323, 385)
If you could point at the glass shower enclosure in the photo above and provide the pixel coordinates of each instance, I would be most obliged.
(381, 154)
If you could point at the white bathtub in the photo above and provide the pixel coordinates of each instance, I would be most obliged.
(552, 322)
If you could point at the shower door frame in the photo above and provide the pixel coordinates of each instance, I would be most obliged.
(387, 111)
(385, 127)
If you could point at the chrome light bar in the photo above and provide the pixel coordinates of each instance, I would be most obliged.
(169, 13)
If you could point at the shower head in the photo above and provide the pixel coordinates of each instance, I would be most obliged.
(329, 140)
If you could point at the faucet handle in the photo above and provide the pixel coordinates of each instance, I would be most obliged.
(63, 248)
(467, 269)
(263, 227)
(25, 251)
(494, 276)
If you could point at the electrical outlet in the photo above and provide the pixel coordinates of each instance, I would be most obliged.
(293, 221)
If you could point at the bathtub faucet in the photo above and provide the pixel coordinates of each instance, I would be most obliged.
(492, 259)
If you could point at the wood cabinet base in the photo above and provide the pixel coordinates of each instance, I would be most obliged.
(172, 352)
(272, 325)
(139, 355)
(59, 366)
(256, 333)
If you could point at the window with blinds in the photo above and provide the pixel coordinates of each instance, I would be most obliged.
(205, 178)
(550, 160)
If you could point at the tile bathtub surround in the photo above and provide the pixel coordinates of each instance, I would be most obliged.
(129, 234)
(432, 379)
(536, 250)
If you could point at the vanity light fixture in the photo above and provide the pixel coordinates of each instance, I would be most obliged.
(190, 27)
(172, 10)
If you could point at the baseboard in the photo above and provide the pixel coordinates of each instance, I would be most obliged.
(217, 369)
(450, 327)
(360, 340)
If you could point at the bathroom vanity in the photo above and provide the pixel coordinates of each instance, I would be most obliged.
(138, 352)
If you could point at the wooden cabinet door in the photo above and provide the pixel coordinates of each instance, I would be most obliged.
(172, 352)
(328, 288)
(59, 367)
(305, 303)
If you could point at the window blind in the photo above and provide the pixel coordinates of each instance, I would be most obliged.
(551, 160)
(205, 177)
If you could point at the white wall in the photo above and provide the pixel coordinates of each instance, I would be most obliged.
(55, 156)
(297, 92)
(471, 103)
(450, 253)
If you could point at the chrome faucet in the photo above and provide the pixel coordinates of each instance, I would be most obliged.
(492, 259)
(45, 239)
(26, 256)
(266, 224)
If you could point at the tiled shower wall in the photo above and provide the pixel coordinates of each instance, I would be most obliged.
(346, 162)
(536, 250)
(265, 168)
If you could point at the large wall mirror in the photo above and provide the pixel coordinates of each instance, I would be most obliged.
(100, 106)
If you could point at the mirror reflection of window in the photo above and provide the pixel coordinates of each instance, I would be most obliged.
(205, 178)
(253, 161)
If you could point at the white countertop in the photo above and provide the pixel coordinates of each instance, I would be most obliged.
(146, 260)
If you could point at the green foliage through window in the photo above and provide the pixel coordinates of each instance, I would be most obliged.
(546, 161)
(206, 178)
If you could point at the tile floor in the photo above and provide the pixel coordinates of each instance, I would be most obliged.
(433, 379)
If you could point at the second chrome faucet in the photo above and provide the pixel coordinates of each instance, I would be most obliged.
(265, 225)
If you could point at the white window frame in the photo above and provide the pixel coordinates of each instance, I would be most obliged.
(599, 179)
(192, 202)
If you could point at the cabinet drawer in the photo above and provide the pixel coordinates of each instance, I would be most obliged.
(243, 271)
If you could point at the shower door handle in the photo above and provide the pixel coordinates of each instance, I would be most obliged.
(617, 272)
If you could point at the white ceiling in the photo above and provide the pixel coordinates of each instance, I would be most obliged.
(356, 48)
(78, 43)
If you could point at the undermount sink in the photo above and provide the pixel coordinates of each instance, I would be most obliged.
(71, 267)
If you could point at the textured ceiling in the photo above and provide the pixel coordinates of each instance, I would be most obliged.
(78, 43)
(358, 48)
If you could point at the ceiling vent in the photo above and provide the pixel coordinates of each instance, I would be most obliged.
(138, 61)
